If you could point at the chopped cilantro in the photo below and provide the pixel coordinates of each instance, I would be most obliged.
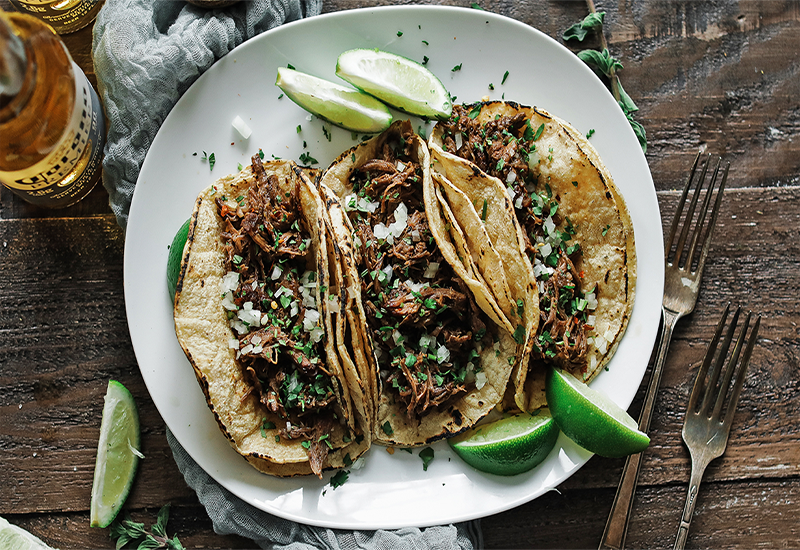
(426, 455)
(339, 478)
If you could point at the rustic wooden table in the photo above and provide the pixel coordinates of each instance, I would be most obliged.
(722, 75)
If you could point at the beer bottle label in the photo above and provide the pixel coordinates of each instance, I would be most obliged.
(71, 167)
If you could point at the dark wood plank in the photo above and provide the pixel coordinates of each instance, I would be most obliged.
(728, 515)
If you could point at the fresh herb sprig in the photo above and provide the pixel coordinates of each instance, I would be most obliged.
(604, 64)
(127, 531)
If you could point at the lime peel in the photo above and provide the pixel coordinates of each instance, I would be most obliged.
(117, 455)
(398, 81)
(591, 419)
(509, 446)
(345, 107)
(13, 536)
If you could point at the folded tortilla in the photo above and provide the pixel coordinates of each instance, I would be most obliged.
(238, 337)
(563, 172)
(407, 359)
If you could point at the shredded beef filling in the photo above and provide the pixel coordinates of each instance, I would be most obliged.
(424, 323)
(273, 311)
(506, 149)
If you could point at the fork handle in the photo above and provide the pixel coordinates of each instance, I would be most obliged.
(688, 508)
(617, 524)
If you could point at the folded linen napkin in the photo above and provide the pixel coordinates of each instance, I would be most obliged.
(146, 54)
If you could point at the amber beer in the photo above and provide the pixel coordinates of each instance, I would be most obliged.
(64, 16)
(52, 129)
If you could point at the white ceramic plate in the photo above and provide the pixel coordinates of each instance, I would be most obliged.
(391, 491)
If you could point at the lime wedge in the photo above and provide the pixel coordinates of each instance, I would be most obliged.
(175, 256)
(509, 446)
(18, 538)
(117, 455)
(591, 419)
(351, 109)
(398, 81)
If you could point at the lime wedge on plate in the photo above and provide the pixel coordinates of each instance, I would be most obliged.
(397, 81)
(175, 256)
(591, 419)
(351, 109)
(18, 538)
(117, 455)
(509, 446)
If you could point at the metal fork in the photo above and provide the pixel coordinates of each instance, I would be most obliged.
(706, 430)
(682, 273)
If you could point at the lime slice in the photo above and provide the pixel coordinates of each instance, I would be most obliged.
(175, 256)
(18, 538)
(398, 81)
(592, 420)
(351, 109)
(509, 446)
(117, 455)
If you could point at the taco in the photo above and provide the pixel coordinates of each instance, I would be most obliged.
(436, 349)
(574, 227)
(255, 312)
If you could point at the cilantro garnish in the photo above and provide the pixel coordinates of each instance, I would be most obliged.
(426, 455)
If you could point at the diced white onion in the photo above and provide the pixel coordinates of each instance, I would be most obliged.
(333, 303)
(480, 380)
(238, 326)
(533, 160)
(388, 271)
(308, 278)
(442, 354)
(233, 343)
(511, 177)
(518, 202)
(255, 340)
(250, 316)
(310, 319)
(247, 349)
(242, 127)
(415, 236)
(415, 287)
(601, 344)
(549, 225)
(545, 250)
(230, 281)
(228, 303)
(276, 273)
(592, 301)
(430, 271)
(400, 166)
(590, 319)
(396, 336)
(382, 233)
(317, 334)
(459, 140)
(294, 308)
(426, 341)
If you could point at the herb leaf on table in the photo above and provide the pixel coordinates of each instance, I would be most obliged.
(126, 531)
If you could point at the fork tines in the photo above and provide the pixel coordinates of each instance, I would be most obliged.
(682, 257)
(708, 385)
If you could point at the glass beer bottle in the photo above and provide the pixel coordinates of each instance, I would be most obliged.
(52, 129)
(65, 16)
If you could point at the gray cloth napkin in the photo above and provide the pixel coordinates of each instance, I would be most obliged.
(146, 54)
(231, 515)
